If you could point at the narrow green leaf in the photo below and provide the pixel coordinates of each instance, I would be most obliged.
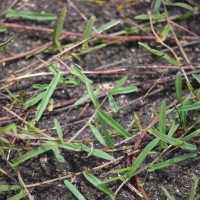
(2, 45)
(162, 117)
(116, 171)
(58, 29)
(141, 158)
(59, 130)
(106, 26)
(115, 125)
(47, 96)
(97, 134)
(170, 162)
(118, 85)
(173, 141)
(105, 130)
(156, 7)
(169, 196)
(126, 90)
(50, 146)
(31, 154)
(154, 16)
(112, 103)
(91, 93)
(173, 128)
(5, 188)
(71, 147)
(197, 77)
(33, 100)
(30, 15)
(73, 189)
(162, 122)
(183, 114)
(19, 196)
(40, 86)
(194, 187)
(58, 155)
(179, 87)
(182, 5)
(111, 179)
(77, 72)
(9, 127)
(87, 31)
(193, 106)
(98, 153)
(98, 184)
(165, 32)
(192, 135)
(85, 98)
(161, 54)
(92, 49)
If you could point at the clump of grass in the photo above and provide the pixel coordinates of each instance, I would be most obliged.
(104, 127)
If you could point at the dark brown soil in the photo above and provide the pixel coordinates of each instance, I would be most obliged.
(176, 179)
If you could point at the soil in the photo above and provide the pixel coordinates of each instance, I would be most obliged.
(176, 179)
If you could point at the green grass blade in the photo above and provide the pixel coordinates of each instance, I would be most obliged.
(33, 100)
(118, 85)
(86, 97)
(87, 31)
(47, 96)
(165, 32)
(197, 77)
(59, 130)
(73, 189)
(194, 187)
(91, 93)
(169, 196)
(173, 128)
(106, 26)
(192, 135)
(71, 147)
(162, 117)
(98, 153)
(97, 134)
(178, 86)
(31, 154)
(154, 16)
(156, 7)
(75, 71)
(92, 49)
(58, 155)
(58, 29)
(112, 103)
(30, 15)
(19, 196)
(172, 141)
(193, 106)
(105, 130)
(9, 127)
(170, 162)
(115, 125)
(161, 54)
(141, 158)
(2, 45)
(126, 90)
(4, 188)
(162, 122)
(181, 5)
(98, 184)
(183, 114)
